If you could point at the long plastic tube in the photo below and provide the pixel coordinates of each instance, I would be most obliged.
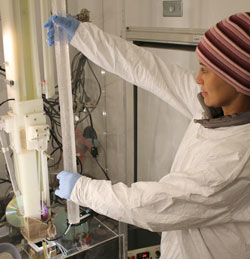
(66, 104)
(10, 166)
(48, 53)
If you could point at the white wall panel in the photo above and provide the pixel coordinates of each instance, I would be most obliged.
(196, 13)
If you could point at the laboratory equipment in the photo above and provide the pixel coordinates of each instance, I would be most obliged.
(25, 133)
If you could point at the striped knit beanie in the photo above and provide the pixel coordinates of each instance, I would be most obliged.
(225, 50)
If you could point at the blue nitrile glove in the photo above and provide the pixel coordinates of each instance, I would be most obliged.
(69, 23)
(67, 181)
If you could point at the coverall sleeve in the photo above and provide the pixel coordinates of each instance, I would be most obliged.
(140, 67)
(201, 198)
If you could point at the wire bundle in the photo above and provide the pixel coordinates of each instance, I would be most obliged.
(83, 106)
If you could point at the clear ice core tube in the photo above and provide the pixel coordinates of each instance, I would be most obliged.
(66, 107)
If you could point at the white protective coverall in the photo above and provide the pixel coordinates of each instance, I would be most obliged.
(202, 207)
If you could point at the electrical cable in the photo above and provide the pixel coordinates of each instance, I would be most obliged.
(100, 92)
(61, 236)
(11, 99)
(98, 83)
(4, 181)
(81, 103)
(94, 152)
(83, 219)
(79, 163)
(103, 170)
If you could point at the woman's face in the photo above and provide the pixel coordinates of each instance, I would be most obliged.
(216, 92)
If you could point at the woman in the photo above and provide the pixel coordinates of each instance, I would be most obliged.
(202, 205)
